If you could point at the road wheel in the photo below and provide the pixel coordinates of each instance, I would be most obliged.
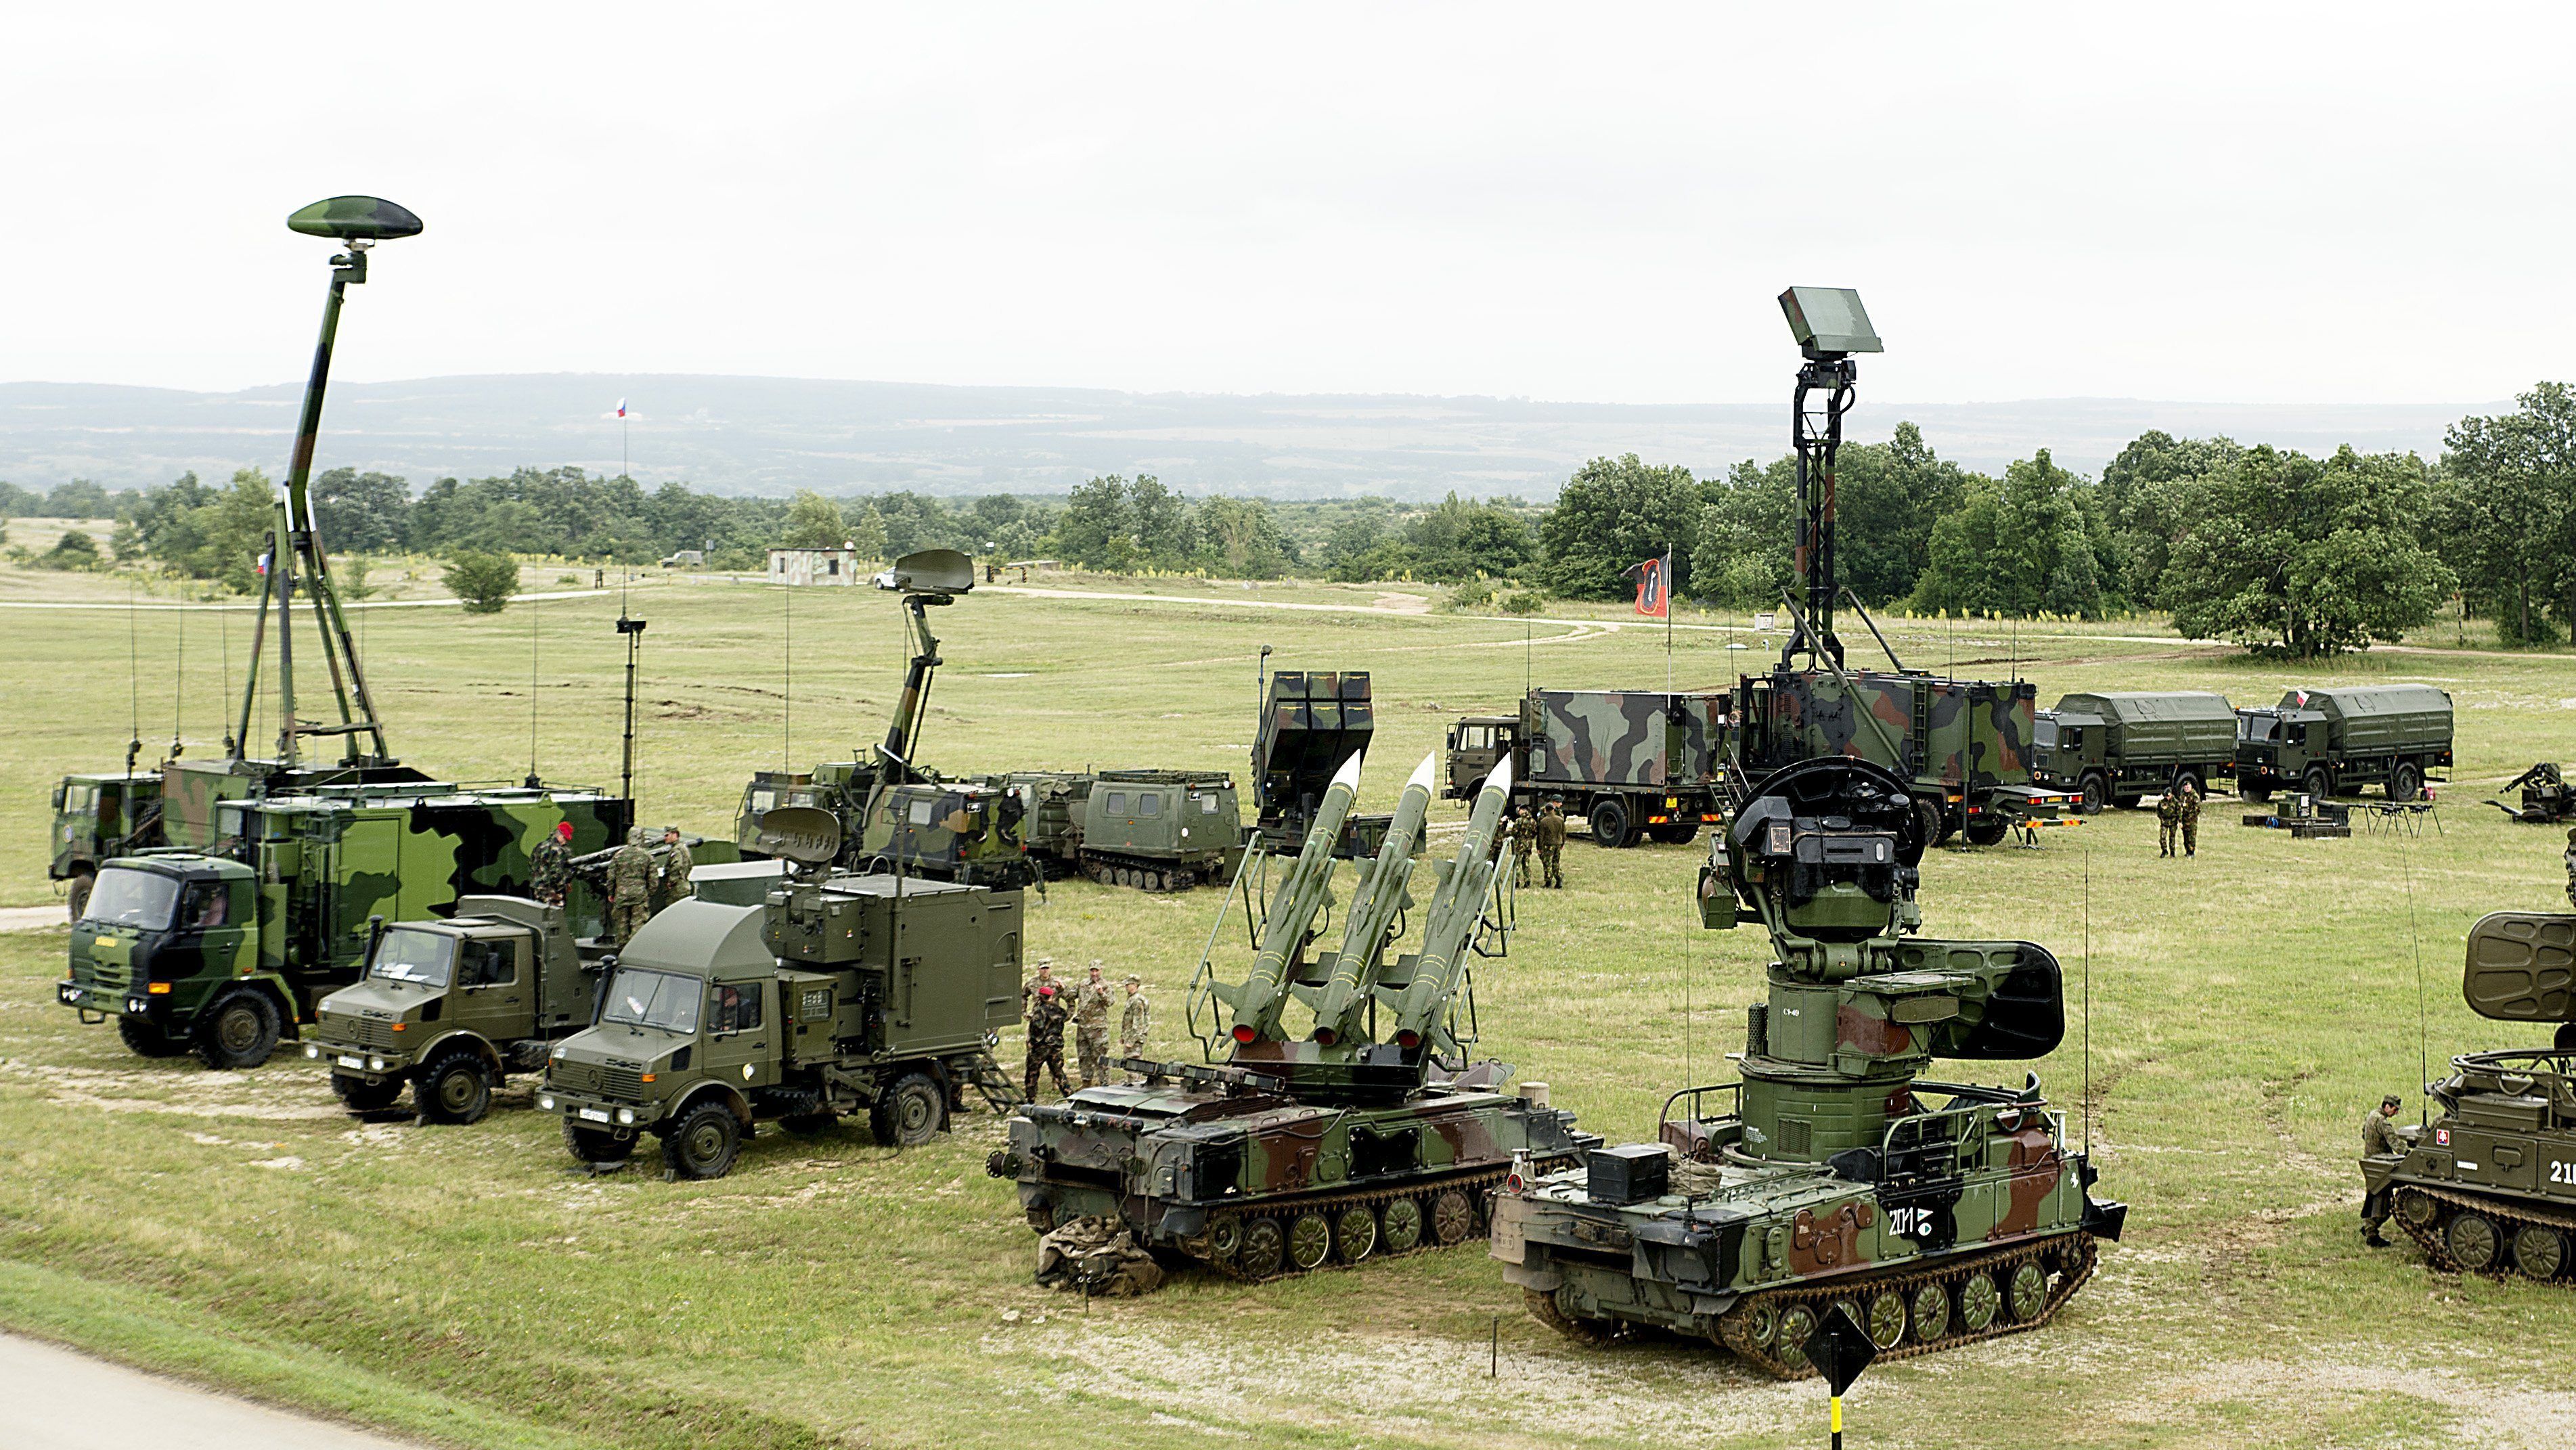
(1886, 1321)
(704, 1143)
(145, 1040)
(2539, 1251)
(1548, 1307)
(2418, 1209)
(1797, 1325)
(1310, 1240)
(81, 881)
(1225, 1238)
(1987, 830)
(1452, 1217)
(1931, 821)
(1355, 1233)
(811, 1125)
(2405, 782)
(1931, 1308)
(2252, 789)
(1264, 1247)
(1762, 1321)
(909, 1115)
(239, 1029)
(2318, 782)
(2472, 1240)
(1403, 1228)
(597, 1147)
(456, 1089)
(362, 1096)
(2096, 792)
(1978, 1301)
(1610, 823)
(2028, 1295)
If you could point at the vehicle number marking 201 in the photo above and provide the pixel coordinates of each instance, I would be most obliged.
(2562, 1173)
(1908, 1223)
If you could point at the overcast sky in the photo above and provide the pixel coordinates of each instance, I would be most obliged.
(2344, 203)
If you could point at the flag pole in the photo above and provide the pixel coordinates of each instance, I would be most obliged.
(1668, 619)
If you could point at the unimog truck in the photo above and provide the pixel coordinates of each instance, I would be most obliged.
(2327, 743)
(2115, 748)
(837, 995)
(451, 1008)
(1635, 764)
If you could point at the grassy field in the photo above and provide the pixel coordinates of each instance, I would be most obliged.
(460, 1285)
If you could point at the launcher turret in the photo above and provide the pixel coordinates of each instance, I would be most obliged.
(1303, 894)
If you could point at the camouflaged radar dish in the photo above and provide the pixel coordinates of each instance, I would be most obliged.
(806, 835)
(355, 219)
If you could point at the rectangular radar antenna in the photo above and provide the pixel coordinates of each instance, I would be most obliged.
(1829, 325)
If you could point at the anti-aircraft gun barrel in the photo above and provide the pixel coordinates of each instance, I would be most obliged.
(1303, 893)
(1382, 892)
(1449, 927)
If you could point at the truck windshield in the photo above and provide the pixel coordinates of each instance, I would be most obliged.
(133, 898)
(2257, 727)
(654, 999)
(408, 954)
(2044, 732)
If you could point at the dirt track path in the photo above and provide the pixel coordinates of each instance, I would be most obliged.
(60, 1400)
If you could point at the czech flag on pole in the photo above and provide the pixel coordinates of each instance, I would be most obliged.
(1655, 586)
(621, 407)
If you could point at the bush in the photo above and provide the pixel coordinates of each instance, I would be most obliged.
(484, 581)
(1523, 601)
(75, 550)
(353, 577)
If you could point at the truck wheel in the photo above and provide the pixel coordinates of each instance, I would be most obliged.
(2405, 782)
(1675, 833)
(362, 1096)
(2190, 778)
(2096, 792)
(1987, 830)
(82, 880)
(1610, 824)
(704, 1143)
(1931, 822)
(2253, 789)
(909, 1114)
(238, 1029)
(456, 1089)
(597, 1147)
(145, 1040)
(2318, 782)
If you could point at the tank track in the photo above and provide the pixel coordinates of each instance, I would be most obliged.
(1145, 874)
(2507, 1215)
(1286, 1208)
(1735, 1332)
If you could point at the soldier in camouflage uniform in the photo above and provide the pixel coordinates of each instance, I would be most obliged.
(2188, 813)
(2168, 821)
(1524, 836)
(1046, 1038)
(550, 866)
(671, 878)
(1134, 1021)
(1091, 1028)
(2379, 1136)
(1551, 845)
(630, 888)
(1029, 990)
(2571, 865)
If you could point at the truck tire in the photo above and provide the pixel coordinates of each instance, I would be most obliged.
(2096, 793)
(1932, 821)
(2405, 782)
(237, 1029)
(910, 1113)
(361, 1096)
(2318, 782)
(597, 1147)
(2253, 789)
(456, 1088)
(81, 881)
(704, 1143)
(2191, 778)
(1674, 833)
(145, 1040)
(1610, 823)
(1987, 830)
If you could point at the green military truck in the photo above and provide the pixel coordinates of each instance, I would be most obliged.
(2332, 742)
(451, 1008)
(1158, 830)
(97, 817)
(835, 996)
(2114, 748)
(1634, 763)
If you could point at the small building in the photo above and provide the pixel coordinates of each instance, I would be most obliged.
(815, 566)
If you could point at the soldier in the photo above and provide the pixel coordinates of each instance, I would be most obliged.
(1029, 990)
(1524, 836)
(630, 888)
(1551, 845)
(2379, 1137)
(671, 878)
(2168, 820)
(2571, 865)
(1134, 1021)
(1091, 1027)
(2189, 814)
(550, 866)
(1046, 1039)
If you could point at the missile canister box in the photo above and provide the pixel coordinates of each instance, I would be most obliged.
(1311, 721)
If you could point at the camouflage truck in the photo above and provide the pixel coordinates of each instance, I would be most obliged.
(2489, 1186)
(1633, 763)
(1964, 746)
(2332, 742)
(1832, 1173)
(224, 951)
(837, 995)
(2115, 748)
(451, 1007)
(1157, 830)
(97, 817)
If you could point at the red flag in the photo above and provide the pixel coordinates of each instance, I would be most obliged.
(1654, 587)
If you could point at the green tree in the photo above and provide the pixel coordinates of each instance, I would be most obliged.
(813, 522)
(1740, 556)
(1888, 497)
(365, 513)
(18, 503)
(1097, 530)
(484, 580)
(1166, 534)
(2510, 517)
(2026, 544)
(865, 529)
(1241, 539)
(74, 550)
(1611, 514)
(2306, 558)
(2141, 494)
(80, 499)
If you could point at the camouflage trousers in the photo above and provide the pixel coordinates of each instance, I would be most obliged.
(2190, 836)
(2374, 1211)
(1092, 1045)
(1131, 1047)
(2571, 888)
(2165, 840)
(1520, 866)
(625, 918)
(1552, 868)
(1047, 1053)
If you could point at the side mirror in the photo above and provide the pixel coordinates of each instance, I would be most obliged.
(58, 798)
(375, 939)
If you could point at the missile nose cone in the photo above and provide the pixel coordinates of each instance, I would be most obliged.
(1501, 777)
(1349, 774)
(1424, 773)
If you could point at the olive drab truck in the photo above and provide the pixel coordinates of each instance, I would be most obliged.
(450, 1008)
(97, 817)
(2113, 748)
(2489, 1185)
(1362, 1130)
(1635, 764)
(1833, 1172)
(1156, 830)
(833, 996)
(2331, 742)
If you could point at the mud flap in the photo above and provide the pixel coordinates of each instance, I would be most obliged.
(2104, 1220)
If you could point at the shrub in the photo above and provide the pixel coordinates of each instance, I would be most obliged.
(484, 581)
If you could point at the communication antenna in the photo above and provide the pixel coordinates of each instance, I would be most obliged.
(787, 682)
(178, 680)
(633, 629)
(224, 631)
(2423, 1028)
(133, 682)
(1829, 325)
(532, 692)
(2088, 1001)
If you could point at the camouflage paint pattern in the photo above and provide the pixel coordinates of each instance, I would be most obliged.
(1311, 721)
(1634, 738)
(952, 831)
(99, 816)
(165, 973)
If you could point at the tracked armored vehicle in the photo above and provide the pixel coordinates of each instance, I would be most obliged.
(2489, 1187)
(1369, 1133)
(1833, 1172)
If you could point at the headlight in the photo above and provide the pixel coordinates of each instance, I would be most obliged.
(625, 1115)
(312, 1051)
(546, 1103)
(375, 1064)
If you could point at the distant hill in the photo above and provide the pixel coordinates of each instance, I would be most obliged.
(774, 435)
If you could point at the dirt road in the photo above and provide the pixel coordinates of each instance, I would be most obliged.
(59, 1400)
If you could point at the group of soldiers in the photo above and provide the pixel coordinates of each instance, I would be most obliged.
(2178, 813)
(1048, 1004)
(638, 885)
(1546, 832)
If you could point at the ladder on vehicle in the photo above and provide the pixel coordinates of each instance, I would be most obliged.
(994, 1085)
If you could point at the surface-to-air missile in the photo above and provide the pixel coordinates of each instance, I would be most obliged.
(1336, 1143)
(1832, 1173)
(2489, 1186)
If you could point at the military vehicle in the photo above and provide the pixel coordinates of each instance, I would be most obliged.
(1369, 1132)
(97, 817)
(1637, 764)
(1158, 830)
(837, 994)
(2489, 1187)
(1832, 1172)
(2114, 748)
(2547, 798)
(2327, 743)
(451, 1008)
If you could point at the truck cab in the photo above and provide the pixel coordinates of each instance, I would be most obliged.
(97, 817)
(167, 946)
(2063, 745)
(2275, 745)
(1477, 743)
